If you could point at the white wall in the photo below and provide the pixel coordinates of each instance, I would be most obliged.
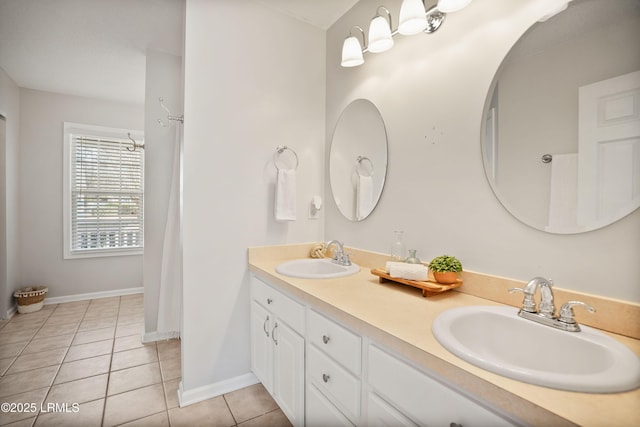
(163, 79)
(254, 79)
(431, 91)
(10, 108)
(42, 115)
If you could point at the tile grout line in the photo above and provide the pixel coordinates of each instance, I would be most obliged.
(28, 342)
(20, 354)
(62, 361)
(235, 421)
(113, 346)
(164, 389)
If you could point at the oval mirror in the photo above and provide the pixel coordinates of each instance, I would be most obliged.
(358, 159)
(561, 125)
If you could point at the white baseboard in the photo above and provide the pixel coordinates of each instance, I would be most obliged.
(93, 295)
(148, 337)
(199, 394)
(11, 311)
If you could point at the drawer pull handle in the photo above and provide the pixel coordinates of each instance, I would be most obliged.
(325, 378)
(269, 300)
(325, 339)
(264, 326)
(273, 333)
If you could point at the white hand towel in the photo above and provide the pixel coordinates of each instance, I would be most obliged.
(402, 270)
(563, 197)
(364, 196)
(285, 203)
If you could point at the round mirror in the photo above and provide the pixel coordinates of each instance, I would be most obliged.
(358, 159)
(561, 125)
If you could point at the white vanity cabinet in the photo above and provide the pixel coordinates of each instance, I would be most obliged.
(277, 347)
(323, 374)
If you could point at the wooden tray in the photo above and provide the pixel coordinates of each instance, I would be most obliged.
(429, 288)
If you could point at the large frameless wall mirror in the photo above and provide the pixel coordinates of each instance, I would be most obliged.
(358, 159)
(561, 126)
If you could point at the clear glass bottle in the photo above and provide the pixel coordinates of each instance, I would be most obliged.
(397, 247)
(412, 258)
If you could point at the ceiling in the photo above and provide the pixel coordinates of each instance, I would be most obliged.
(96, 48)
(320, 13)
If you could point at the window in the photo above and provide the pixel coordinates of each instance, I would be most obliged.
(103, 192)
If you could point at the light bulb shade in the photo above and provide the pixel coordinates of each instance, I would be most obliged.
(413, 18)
(448, 6)
(351, 52)
(380, 38)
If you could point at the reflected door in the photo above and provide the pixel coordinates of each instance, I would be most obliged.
(609, 149)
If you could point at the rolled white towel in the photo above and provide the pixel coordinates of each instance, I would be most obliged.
(392, 263)
(406, 271)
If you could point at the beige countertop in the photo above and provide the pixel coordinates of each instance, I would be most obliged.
(399, 317)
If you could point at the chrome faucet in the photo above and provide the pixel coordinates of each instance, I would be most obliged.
(546, 314)
(339, 256)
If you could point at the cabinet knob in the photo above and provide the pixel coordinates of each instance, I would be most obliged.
(325, 378)
(325, 339)
(269, 300)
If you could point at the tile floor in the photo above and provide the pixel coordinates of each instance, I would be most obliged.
(83, 364)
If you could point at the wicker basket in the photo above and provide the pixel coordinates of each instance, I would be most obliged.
(30, 299)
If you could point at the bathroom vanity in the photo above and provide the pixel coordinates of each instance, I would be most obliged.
(351, 351)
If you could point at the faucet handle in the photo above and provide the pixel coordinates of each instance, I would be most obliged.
(345, 258)
(566, 311)
(528, 304)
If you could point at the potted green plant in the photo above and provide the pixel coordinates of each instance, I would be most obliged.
(445, 268)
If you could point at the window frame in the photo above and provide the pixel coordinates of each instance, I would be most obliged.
(92, 131)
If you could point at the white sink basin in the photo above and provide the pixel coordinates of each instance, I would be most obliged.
(498, 340)
(314, 268)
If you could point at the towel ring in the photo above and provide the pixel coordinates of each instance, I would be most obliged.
(360, 168)
(281, 149)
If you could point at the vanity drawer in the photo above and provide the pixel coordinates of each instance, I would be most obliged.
(322, 413)
(339, 343)
(422, 398)
(381, 414)
(279, 304)
(335, 381)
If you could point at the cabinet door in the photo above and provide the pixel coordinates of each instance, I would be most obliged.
(288, 362)
(261, 345)
(321, 412)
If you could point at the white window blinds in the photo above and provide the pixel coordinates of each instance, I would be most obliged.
(106, 194)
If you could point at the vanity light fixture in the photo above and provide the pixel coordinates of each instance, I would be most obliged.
(352, 50)
(414, 18)
(380, 38)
